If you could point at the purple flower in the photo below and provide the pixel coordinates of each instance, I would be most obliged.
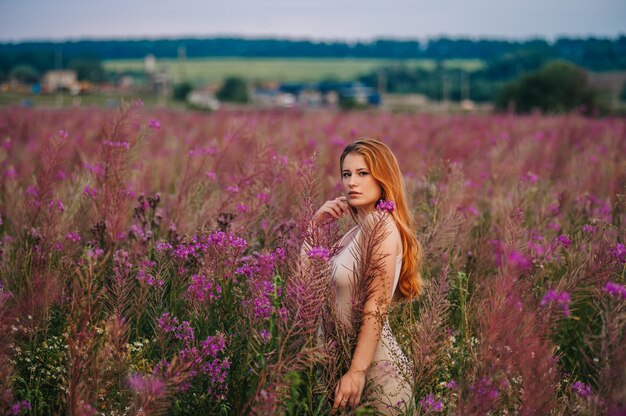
(564, 240)
(203, 289)
(120, 261)
(95, 253)
(162, 246)
(167, 322)
(615, 289)
(589, 229)
(204, 151)
(553, 209)
(582, 389)
(265, 198)
(117, 145)
(388, 206)
(150, 386)
(11, 173)
(92, 192)
(265, 335)
(554, 225)
(451, 385)
(518, 260)
(562, 299)
(96, 170)
(32, 191)
(319, 253)
(484, 388)
(56, 204)
(259, 271)
(429, 404)
(619, 252)
(182, 331)
(72, 236)
(154, 124)
(530, 177)
(17, 407)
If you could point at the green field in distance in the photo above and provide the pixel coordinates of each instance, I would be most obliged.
(208, 70)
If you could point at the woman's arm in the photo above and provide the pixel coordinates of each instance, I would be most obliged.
(350, 386)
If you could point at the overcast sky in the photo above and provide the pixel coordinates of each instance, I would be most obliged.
(316, 19)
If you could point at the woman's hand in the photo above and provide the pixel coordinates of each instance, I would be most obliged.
(331, 210)
(349, 389)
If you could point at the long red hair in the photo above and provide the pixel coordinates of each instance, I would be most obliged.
(384, 167)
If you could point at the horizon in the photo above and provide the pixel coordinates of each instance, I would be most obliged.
(549, 40)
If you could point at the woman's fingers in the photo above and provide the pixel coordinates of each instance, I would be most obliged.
(356, 399)
(334, 208)
(333, 211)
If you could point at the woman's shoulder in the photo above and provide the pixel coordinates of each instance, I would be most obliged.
(385, 226)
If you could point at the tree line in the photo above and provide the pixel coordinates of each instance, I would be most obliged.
(592, 53)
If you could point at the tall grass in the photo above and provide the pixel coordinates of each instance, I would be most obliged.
(165, 267)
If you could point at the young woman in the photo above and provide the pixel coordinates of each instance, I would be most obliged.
(372, 180)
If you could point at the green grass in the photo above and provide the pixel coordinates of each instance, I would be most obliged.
(209, 70)
(98, 99)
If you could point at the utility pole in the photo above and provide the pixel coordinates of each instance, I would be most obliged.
(58, 66)
(381, 81)
(445, 90)
(465, 86)
(182, 63)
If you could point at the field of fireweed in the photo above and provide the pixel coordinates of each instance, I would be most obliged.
(150, 261)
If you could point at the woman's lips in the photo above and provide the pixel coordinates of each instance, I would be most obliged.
(354, 193)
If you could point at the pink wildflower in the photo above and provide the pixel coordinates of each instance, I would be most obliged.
(562, 299)
(589, 229)
(154, 124)
(72, 236)
(11, 173)
(564, 240)
(582, 389)
(429, 404)
(388, 206)
(319, 253)
(88, 191)
(619, 252)
(530, 177)
(615, 289)
(146, 385)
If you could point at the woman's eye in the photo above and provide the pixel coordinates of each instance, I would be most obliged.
(345, 175)
(363, 173)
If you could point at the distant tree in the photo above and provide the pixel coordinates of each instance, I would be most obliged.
(88, 69)
(182, 90)
(622, 95)
(234, 89)
(512, 65)
(26, 74)
(557, 87)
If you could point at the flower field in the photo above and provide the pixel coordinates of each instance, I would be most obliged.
(150, 261)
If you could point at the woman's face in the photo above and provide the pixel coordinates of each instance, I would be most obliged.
(362, 190)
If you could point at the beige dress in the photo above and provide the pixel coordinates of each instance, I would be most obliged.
(387, 385)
